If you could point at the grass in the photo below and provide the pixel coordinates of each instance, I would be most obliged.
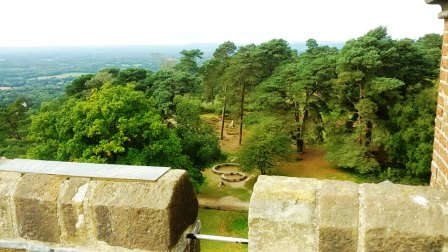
(223, 223)
(213, 190)
(250, 183)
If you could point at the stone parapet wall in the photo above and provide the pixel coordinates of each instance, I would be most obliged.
(299, 214)
(89, 214)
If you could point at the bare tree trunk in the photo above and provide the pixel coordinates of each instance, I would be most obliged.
(297, 120)
(242, 114)
(223, 112)
(301, 139)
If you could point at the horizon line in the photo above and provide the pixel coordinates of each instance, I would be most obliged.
(152, 45)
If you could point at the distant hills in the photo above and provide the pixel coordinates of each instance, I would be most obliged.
(49, 61)
(29, 69)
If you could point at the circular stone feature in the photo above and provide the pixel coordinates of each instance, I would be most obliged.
(229, 172)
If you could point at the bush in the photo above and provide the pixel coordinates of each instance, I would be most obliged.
(208, 107)
(198, 140)
(267, 144)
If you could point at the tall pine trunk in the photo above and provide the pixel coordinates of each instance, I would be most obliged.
(301, 148)
(299, 143)
(223, 112)
(242, 113)
(300, 137)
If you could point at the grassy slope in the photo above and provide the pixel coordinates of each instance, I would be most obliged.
(223, 223)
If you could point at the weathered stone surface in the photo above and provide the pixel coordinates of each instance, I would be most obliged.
(142, 215)
(338, 216)
(295, 214)
(403, 218)
(282, 215)
(35, 202)
(43, 212)
(8, 181)
(71, 212)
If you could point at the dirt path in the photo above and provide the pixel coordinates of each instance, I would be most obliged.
(230, 143)
(228, 203)
(312, 164)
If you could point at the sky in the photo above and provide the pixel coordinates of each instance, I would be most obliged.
(178, 22)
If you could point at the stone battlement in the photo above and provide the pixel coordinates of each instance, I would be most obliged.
(94, 214)
(300, 214)
(41, 212)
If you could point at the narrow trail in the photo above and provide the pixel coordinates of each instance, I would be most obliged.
(310, 164)
(228, 203)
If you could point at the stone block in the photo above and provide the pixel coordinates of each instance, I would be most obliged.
(338, 215)
(35, 202)
(403, 218)
(282, 215)
(71, 212)
(147, 215)
(8, 181)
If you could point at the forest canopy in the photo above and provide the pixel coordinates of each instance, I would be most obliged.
(371, 104)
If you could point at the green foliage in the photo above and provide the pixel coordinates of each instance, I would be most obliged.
(255, 118)
(13, 148)
(245, 70)
(188, 61)
(210, 108)
(250, 66)
(374, 79)
(345, 152)
(266, 145)
(273, 54)
(78, 85)
(410, 144)
(100, 78)
(165, 85)
(81, 85)
(383, 84)
(212, 71)
(115, 124)
(130, 75)
(431, 45)
(371, 103)
(198, 140)
(301, 89)
(14, 120)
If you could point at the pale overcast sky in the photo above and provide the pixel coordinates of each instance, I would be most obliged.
(144, 22)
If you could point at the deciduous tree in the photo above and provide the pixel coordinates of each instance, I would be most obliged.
(115, 124)
(267, 145)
